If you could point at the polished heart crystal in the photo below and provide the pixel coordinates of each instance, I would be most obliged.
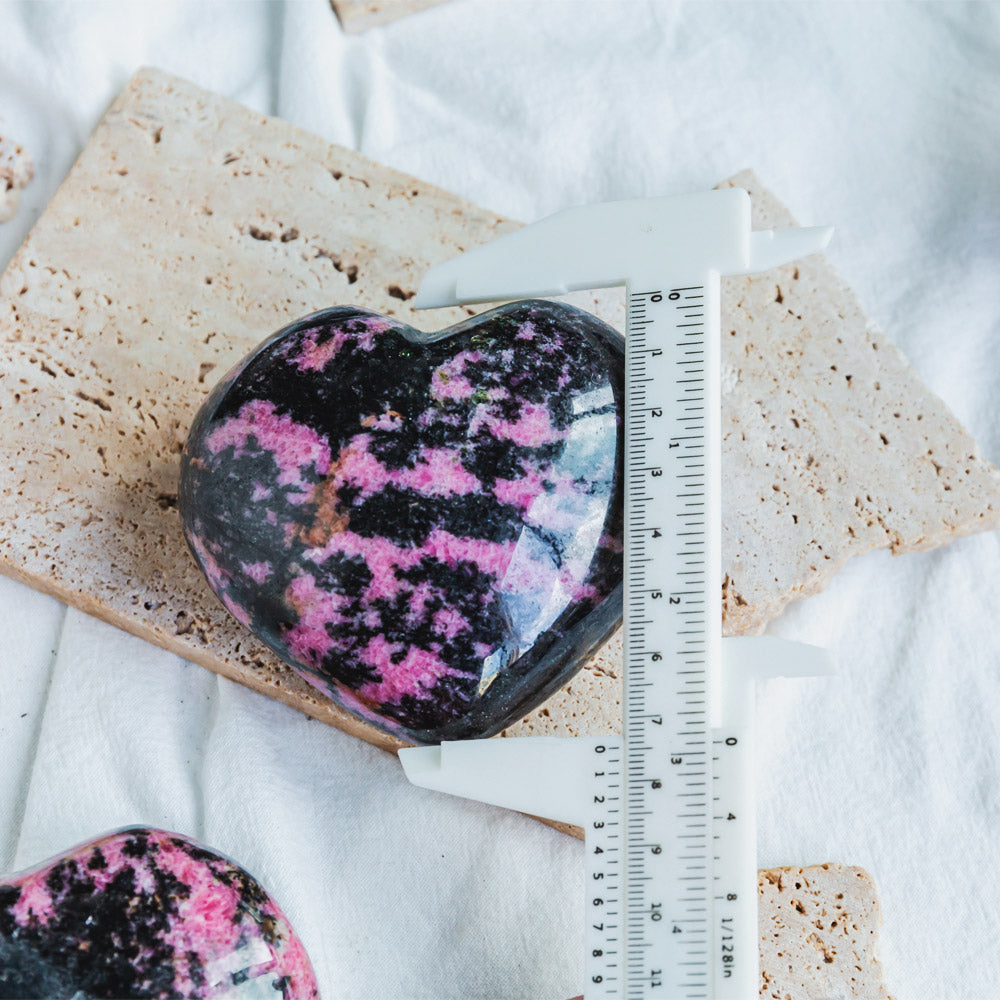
(428, 527)
(144, 913)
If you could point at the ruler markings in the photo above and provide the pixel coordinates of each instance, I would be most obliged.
(651, 821)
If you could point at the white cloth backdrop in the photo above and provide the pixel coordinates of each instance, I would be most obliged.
(883, 120)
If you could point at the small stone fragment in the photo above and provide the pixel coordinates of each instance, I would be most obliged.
(360, 15)
(16, 170)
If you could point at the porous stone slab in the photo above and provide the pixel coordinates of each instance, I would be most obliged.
(819, 930)
(191, 228)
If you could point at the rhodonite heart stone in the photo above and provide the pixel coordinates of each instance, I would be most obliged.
(428, 527)
(144, 913)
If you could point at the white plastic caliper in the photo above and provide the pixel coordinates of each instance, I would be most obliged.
(668, 807)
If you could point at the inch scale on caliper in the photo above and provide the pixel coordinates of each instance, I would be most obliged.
(667, 809)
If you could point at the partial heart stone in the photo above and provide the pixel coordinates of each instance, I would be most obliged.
(428, 527)
(144, 913)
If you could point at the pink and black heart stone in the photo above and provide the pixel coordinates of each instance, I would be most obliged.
(427, 527)
(143, 913)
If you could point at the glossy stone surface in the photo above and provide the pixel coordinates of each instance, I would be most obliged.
(427, 527)
(144, 913)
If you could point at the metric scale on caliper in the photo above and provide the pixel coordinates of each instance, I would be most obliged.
(667, 809)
